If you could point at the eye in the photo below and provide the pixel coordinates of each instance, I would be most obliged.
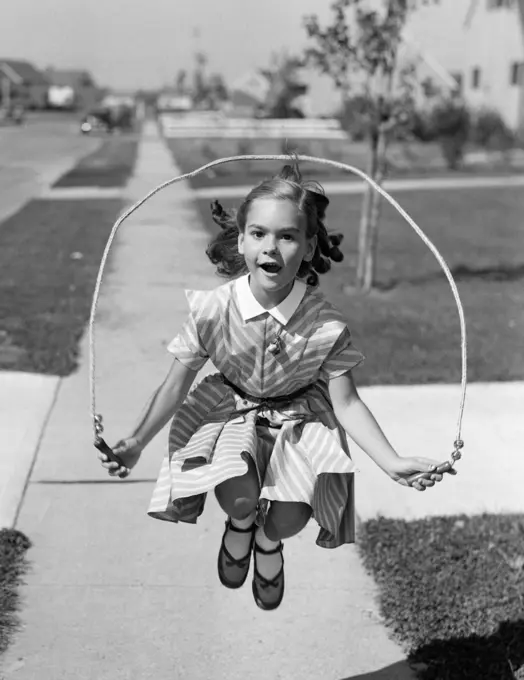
(257, 233)
(287, 237)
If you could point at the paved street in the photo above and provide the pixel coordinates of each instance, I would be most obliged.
(35, 154)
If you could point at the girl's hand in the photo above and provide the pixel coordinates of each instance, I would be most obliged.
(402, 468)
(129, 450)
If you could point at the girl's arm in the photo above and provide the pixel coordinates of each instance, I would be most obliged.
(164, 402)
(160, 408)
(360, 424)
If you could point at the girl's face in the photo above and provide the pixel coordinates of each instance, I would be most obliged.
(274, 244)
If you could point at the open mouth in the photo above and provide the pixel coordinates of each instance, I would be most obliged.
(271, 267)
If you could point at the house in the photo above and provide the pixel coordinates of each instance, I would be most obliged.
(481, 44)
(21, 81)
(248, 94)
(72, 89)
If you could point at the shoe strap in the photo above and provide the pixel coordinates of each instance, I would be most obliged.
(231, 561)
(278, 549)
(231, 527)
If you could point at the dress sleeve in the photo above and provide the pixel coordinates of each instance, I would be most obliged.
(342, 358)
(187, 346)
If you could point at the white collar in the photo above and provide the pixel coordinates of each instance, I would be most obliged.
(250, 307)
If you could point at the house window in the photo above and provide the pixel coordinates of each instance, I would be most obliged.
(516, 73)
(475, 78)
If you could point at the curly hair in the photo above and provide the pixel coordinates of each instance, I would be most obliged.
(310, 200)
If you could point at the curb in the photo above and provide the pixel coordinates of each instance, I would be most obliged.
(26, 403)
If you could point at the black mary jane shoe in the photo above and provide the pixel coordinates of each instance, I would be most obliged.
(261, 583)
(238, 568)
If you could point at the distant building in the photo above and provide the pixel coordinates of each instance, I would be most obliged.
(72, 89)
(21, 82)
(481, 44)
(248, 94)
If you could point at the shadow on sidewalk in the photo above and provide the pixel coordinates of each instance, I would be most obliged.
(397, 671)
(475, 657)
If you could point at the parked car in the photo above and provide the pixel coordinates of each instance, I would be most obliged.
(108, 119)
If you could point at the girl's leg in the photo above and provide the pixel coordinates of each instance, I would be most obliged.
(283, 521)
(286, 519)
(238, 498)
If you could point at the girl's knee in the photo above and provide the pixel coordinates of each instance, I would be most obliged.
(238, 497)
(286, 519)
(242, 507)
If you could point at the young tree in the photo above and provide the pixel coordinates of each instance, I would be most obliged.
(360, 49)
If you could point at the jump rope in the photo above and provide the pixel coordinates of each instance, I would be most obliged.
(97, 419)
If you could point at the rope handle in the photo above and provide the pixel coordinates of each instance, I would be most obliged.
(102, 445)
(97, 418)
(443, 468)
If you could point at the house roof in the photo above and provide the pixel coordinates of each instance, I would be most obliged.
(69, 78)
(22, 72)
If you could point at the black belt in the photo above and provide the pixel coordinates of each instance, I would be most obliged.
(269, 402)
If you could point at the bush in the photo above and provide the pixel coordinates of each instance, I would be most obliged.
(450, 121)
(421, 126)
(354, 117)
(490, 131)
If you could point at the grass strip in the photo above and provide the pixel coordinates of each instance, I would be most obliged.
(110, 165)
(451, 589)
(13, 566)
(50, 252)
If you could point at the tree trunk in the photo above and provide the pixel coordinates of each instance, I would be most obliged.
(365, 215)
(370, 264)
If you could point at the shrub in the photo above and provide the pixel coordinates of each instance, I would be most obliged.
(490, 131)
(421, 126)
(354, 116)
(450, 120)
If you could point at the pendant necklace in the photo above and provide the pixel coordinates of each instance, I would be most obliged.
(275, 347)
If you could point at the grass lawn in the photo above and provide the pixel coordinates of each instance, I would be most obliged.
(50, 252)
(452, 592)
(109, 166)
(409, 329)
(405, 160)
(13, 566)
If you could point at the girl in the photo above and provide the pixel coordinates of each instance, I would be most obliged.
(267, 432)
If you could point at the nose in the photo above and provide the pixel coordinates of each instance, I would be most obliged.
(270, 245)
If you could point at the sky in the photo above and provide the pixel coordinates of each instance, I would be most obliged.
(143, 43)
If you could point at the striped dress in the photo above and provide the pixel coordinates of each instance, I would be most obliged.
(300, 451)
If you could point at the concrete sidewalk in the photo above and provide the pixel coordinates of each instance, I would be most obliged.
(114, 594)
(34, 156)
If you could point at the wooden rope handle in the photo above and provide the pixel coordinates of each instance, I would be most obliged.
(442, 468)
